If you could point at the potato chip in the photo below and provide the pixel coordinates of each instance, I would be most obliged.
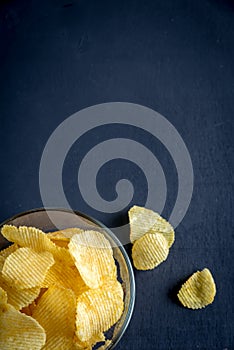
(55, 311)
(198, 291)
(98, 309)
(3, 296)
(59, 342)
(22, 298)
(35, 239)
(26, 268)
(93, 257)
(16, 297)
(87, 345)
(65, 233)
(18, 331)
(28, 237)
(7, 251)
(62, 238)
(2, 262)
(61, 242)
(28, 310)
(144, 221)
(149, 251)
(62, 275)
(19, 298)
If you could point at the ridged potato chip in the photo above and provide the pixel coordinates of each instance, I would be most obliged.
(2, 262)
(62, 238)
(93, 257)
(26, 268)
(98, 309)
(3, 296)
(59, 241)
(198, 291)
(28, 237)
(59, 342)
(28, 310)
(149, 251)
(56, 311)
(19, 298)
(87, 345)
(7, 251)
(35, 239)
(144, 221)
(62, 275)
(19, 331)
(65, 233)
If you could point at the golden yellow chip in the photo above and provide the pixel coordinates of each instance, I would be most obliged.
(18, 331)
(35, 239)
(144, 221)
(27, 237)
(62, 275)
(26, 268)
(87, 345)
(65, 233)
(2, 262)
(98, 309)
(3, 296)
(55, 311)
(93, 257)
(62, 238)
(28, 310)
(60, 242)
(198, 291)
(59, 342)
(7, 251)
(19, 298)
(149, 251)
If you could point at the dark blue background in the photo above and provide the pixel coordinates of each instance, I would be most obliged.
(176, 57)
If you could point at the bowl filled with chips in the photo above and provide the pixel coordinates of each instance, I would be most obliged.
(66, 282)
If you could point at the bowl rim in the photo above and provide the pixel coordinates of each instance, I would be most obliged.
(120, 246)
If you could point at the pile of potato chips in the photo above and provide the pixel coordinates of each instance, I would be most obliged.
(151, 235)
(57, 290)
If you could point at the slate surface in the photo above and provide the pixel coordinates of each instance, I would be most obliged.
(176, 57)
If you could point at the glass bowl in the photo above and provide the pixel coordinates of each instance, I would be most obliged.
(45, 220)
